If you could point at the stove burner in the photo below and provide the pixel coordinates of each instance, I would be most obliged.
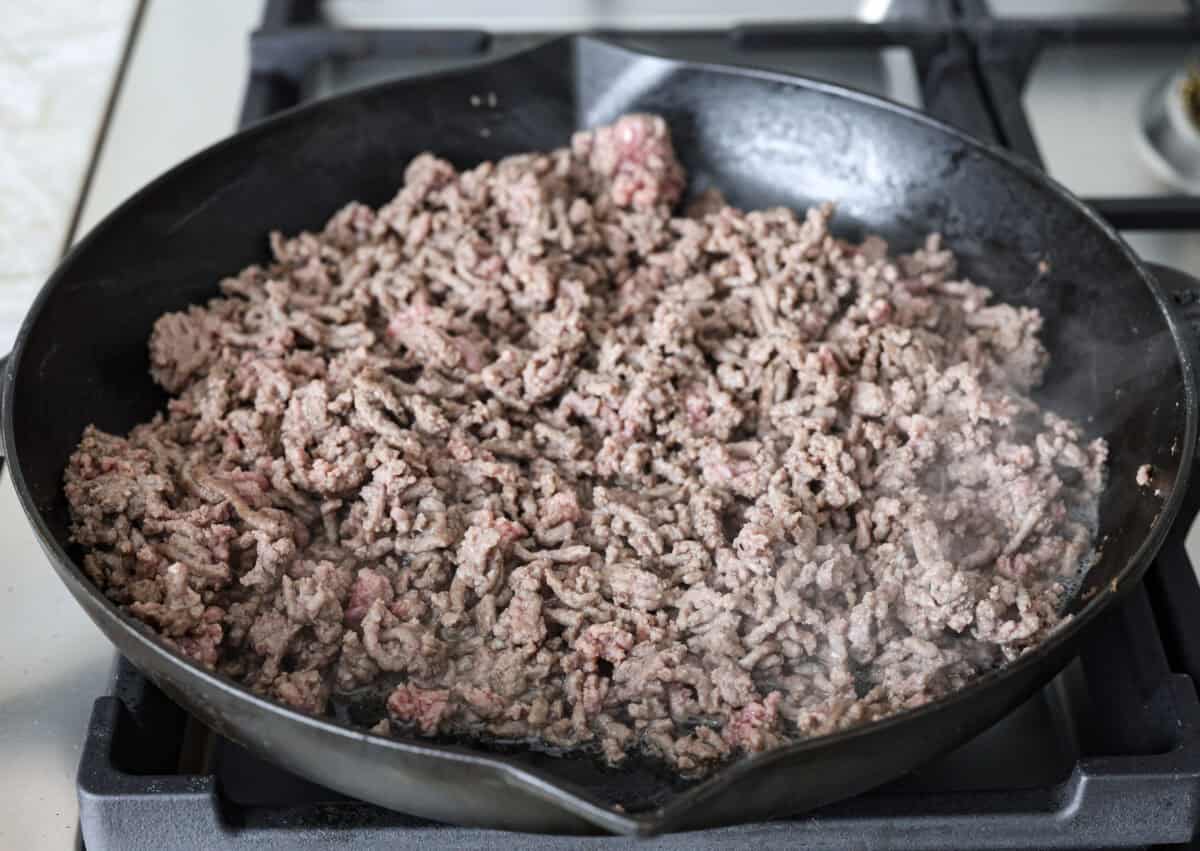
(1169, 130)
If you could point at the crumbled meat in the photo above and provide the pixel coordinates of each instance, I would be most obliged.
(535, 457)
(420, 706)
(304, 690)
(1145, 475)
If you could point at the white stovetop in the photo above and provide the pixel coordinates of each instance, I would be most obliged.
(183, 91)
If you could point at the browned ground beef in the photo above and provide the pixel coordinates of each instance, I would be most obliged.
(550, 461)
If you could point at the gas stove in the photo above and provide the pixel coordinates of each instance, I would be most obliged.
(1107, 755)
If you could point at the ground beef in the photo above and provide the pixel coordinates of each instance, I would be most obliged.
(530, 456)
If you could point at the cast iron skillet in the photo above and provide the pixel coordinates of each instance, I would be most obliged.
(1120, 362)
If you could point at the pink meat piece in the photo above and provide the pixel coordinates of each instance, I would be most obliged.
(422, 707)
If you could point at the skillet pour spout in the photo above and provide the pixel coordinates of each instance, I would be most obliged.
(764, 139)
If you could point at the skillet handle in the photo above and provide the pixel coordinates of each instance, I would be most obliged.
(3, 392)
(1184, 290)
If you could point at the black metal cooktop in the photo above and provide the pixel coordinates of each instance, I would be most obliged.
(1108, 755)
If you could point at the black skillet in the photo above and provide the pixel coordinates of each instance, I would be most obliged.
(1121, 362)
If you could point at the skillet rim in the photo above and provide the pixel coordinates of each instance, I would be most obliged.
(564, 794)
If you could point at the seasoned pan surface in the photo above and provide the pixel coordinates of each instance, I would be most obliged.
(1120, 364)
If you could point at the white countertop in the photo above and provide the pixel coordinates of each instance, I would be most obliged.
(57, 62)
(53, 664)
(183, 91)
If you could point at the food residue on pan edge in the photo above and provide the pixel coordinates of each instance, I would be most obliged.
(549, 462)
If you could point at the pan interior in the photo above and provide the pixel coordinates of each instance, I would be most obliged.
(762, 141)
